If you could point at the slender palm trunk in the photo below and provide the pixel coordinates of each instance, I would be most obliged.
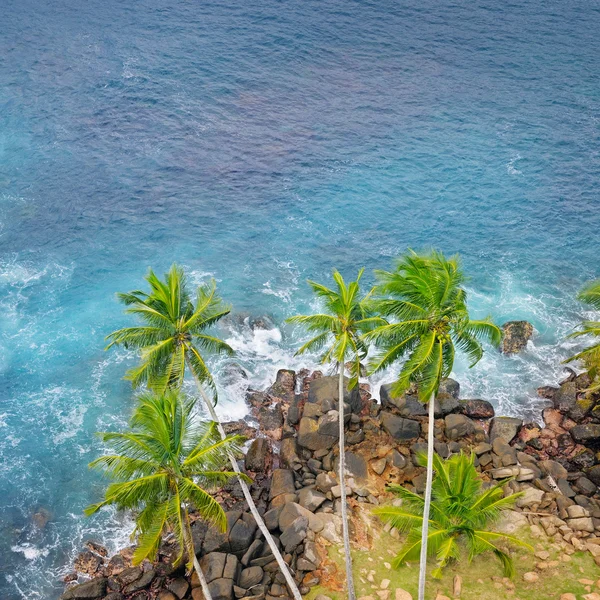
(427, 505)
(342, 478)
(190, 544)
(259, 521)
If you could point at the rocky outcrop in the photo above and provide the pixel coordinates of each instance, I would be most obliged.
(516, 336)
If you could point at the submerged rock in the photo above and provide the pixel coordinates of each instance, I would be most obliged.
(516, 336)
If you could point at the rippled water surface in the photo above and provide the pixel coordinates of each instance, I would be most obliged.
(264, 143)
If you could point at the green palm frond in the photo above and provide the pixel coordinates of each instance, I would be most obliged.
(173, 331)
(160, 466)
(338, 329)
(427, 305)
(590, 294)
(460, 512)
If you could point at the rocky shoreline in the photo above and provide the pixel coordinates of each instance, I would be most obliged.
(293, 461)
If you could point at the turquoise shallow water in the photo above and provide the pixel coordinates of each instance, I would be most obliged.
(264, 145)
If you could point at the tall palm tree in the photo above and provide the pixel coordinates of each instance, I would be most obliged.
(173, 336)
(338, 337)
(160, 468)
(425, 298)
(461, 515)
(590, 356)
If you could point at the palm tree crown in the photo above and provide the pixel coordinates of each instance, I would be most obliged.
(428, 305)
(173, 331)
(338, 329)
(590, 356)
(461, 513)
(162, 464)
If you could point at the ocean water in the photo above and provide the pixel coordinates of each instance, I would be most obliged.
(262, 144)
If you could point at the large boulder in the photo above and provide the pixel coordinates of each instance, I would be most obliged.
(314, 437)
(565, 397)
(516, 336)
(250, 577)
(587, 434)
(90, 590)
(221, 589)
(259, 456)
(407, 405)
(477, 409)
(400, 428)
(310, 498)
(294, 534)
(325, 389)
(213, 565)
(504, 427)
(458, 426)
(282, 482)
(449, 388)
(356, 465)
(284, 386)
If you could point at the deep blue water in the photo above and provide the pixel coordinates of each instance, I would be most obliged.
(264, 143)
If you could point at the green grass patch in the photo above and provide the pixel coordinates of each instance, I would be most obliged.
(481, 579)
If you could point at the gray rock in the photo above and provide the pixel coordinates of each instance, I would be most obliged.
(400, 428)
(449, 388)
(582, 524)
(585, 486)
(284, 386)
(356, 465)
(477, 409)
(326, 389)
(282, 482)
(325, 482)
(250, 577)
(294, 412)
(310, 498)
(505, 472)
(232, 567)
(396, 459)
(516, 336)
(254, 550)
(565, 397)
(378, 465)
(458, 426)
(294, 535)
(143, 582)
(270, 417)
(258, 457)
(288, 453)
(311, 553)
(90, 590)
(213, 565)
(553, 468)
(588, 434)
(271, 518)
(310, 437)
(504, 427)
(445, 405)
(221, 589)
(179, 587)
(129, 575)
(242, 534)
(407, 405)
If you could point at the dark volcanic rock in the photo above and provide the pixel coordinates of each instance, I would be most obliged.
(564, 398)
(282, 482)
(400, 428)
(259, 456)
(221, 589)
(588, 434)
(311, 437)
(477, 409)
(284, 386)
(213, 565)
(516, 336)
(90, 590)
(504, 427)
(449, 388)
(326, 389)
(356, 465)
(458, 426)
(407, 405)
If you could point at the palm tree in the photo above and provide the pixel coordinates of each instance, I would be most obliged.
(172, 337)
(590, 356)
(338, 336)
(461, 514)
(160, 469)
(425, 299)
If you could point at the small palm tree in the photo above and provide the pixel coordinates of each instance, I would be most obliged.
(428, 305)
(161, 468)
(590, 356)
(173, 336)
(338, 337)
(461, 515)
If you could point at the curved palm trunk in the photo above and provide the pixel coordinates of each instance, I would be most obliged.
(188, 541)
(427, 505)
(342, 478)
(259, 521)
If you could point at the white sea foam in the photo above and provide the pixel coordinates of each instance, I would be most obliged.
(29, 551)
